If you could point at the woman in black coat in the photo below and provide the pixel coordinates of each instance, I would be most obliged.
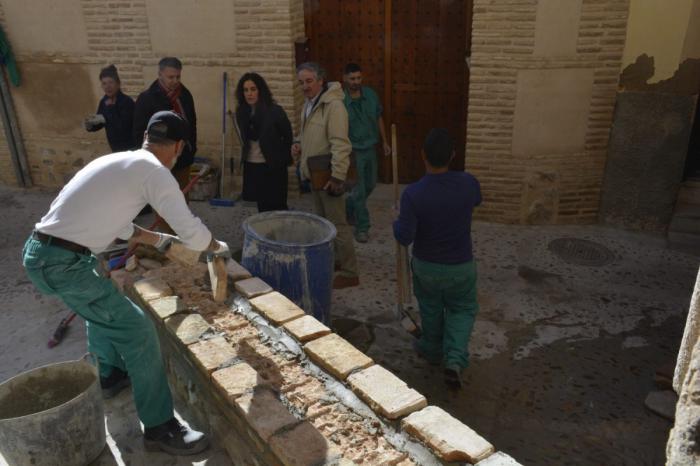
(115, 112)
(266, 135)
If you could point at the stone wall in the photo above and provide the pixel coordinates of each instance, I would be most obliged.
(61, 46)
(683, 448)
(544, 75)
(275, 386)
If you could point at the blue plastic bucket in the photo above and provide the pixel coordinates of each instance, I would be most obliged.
(293, 252)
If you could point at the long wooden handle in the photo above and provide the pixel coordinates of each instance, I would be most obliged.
(395, 165)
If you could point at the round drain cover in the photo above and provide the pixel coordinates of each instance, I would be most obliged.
(581, 251)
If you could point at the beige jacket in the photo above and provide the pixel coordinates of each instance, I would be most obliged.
(325, 131)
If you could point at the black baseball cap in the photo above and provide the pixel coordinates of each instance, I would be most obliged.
(168, 125)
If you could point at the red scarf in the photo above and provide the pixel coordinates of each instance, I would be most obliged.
(174, 98)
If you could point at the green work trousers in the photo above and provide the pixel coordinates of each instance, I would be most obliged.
(119, 333)
(447, 300)
(333, 209)
(356, 204)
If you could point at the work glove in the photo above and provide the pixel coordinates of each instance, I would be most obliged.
(164, 241)
(93, 121)
(335, 187)
(222, 250)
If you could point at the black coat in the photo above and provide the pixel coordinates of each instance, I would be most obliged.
(274, 135)
(119, 122)
(154, 100)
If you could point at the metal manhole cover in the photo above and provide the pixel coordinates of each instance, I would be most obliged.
(581, 251)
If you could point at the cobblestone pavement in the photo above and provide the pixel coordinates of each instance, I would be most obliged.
(563, 355)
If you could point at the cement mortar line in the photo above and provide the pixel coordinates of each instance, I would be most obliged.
(281, 342)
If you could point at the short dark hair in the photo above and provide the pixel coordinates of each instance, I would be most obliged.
(110, 72)
(169, 62)
(314, 68)
(438, 147)
(264, 94)
(351, 68)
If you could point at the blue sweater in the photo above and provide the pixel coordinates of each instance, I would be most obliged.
(436, 216)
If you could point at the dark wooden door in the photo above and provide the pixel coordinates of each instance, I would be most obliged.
(413, 53)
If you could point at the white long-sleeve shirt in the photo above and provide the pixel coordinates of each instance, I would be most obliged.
(100, 202)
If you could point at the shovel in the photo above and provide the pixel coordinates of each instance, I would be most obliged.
(403, 269)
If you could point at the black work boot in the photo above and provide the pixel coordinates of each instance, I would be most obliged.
(174, 438)
(115, 383)
(453, 377)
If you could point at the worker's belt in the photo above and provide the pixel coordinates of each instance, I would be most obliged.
(61, 243)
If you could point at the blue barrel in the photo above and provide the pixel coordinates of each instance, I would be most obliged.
(293, 252)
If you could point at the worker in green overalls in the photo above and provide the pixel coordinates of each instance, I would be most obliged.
(366, 126)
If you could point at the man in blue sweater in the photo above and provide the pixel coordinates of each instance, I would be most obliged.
(436, 216)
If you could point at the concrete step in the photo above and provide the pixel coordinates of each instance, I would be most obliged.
(689, 192)
(686, 242)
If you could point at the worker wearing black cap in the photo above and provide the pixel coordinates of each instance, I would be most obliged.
(93, 209)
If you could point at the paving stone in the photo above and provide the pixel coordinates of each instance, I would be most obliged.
(252, 287)
(150, 264)
(385, 393)
(276, 307)
(226, 320)
(498, 459)
(663, 403)
(131, 263)
(237, 380)
(302, 446)
(187, 327)
(210, 354)
(122, 279)
(264, 412)
(183, 255)
(165, 307)
(448, 437)
(218, 278)
(152, 288)
(337, 356)
(306, 328)
(236, 271)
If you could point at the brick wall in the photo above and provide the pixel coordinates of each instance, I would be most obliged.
(537, 182)
(126, 33)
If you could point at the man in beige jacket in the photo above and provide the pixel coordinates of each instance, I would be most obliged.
(324, 130)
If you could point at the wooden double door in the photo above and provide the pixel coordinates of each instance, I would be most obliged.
(413, 53)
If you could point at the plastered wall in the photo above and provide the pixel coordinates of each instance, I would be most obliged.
(61, 46)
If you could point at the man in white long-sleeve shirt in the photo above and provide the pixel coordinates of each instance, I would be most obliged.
(93, 209)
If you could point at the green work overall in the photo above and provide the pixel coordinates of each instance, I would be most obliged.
(447, 300)
(119, 332)
(356, 204)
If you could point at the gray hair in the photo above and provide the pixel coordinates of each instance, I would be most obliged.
(169, 62)
(314, 67)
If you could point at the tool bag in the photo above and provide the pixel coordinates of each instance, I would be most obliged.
(320, 170)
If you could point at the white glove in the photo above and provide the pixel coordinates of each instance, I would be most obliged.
(222, 249)
(164, 241)
(94, 120)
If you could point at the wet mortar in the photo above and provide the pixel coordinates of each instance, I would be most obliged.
(563, 355)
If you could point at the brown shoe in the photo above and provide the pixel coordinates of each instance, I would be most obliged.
(345, 282)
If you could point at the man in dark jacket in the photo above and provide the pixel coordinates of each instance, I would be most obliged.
(168, 93)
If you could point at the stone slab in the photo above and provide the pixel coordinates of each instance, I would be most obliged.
(663, 403)
(337, 356)
(450, 439)
(306, 328)
(252, 287)
(236, 271)
(183, 255)
(498, 459)
(152, 288)
(264, 412)
(212, 353)
(187, 327)
(167, 306)
(276, 307)
(131, 263)
(303, 445)
(227, 320)
(150, 264)
(218, 278)
(385, 393)
(235, 381)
